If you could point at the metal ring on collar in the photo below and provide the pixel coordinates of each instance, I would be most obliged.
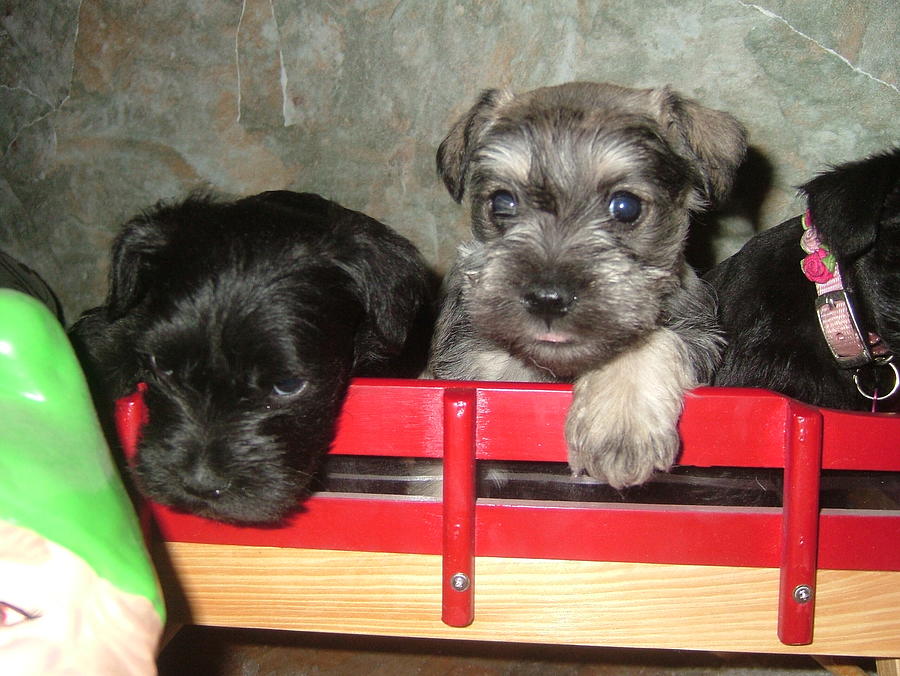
(889, 362)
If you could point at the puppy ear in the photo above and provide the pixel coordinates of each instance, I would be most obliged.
(392, 283)
(714, 141)
(851, 202)
(455, 151)
(134, 257)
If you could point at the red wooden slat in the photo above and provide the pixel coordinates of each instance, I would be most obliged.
(348, 522)
(130, 416)
(726, 427)
(800, 526)
(859, 540)
(400, 418)
(727, 536)
(458, 563)
(861, 441)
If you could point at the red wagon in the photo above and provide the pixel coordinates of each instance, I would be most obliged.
(795, 577)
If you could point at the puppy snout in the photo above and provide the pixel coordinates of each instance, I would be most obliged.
(204, 483)
(548, 302)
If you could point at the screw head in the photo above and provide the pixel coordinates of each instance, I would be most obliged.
(459, 582)
(803, 593)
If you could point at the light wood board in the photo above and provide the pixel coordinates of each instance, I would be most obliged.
(529, 600)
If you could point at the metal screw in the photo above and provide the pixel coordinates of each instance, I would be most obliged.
(459, 582)
(803, 593)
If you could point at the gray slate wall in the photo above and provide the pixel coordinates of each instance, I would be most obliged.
(107, 106)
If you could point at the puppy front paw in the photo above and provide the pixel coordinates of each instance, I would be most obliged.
(623, 421)
(624, 450)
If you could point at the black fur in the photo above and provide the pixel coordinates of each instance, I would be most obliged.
(247, 320)
(766, 304)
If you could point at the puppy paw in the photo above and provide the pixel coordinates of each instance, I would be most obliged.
(623, 421)
(625, 451)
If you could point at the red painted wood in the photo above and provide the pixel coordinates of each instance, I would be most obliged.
(800, 526)
(859, 540)
(727, 536)
(861, 441)
(401, 418)
(346, 522)
(523, 421)
(458, 563)
(720, 427)
(700, 535)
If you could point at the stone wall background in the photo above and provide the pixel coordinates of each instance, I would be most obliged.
(107, 106)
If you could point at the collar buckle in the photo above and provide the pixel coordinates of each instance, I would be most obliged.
(841, 329)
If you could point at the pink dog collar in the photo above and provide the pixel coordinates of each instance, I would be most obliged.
(849, 346)
(834, 306)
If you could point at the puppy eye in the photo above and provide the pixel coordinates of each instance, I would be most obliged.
(289, 387)
(503, 203)
(160, 368)
(624, 207)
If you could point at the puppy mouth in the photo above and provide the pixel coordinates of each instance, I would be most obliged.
(554, 338)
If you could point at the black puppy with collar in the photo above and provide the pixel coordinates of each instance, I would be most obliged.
(247, 320)
(767, 305)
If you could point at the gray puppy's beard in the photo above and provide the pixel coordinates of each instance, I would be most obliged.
(617, 299)
(566, 279)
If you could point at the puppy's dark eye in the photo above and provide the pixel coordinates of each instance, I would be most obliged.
(160, 367)
(503, 204)
(624, 207)
(288, 387)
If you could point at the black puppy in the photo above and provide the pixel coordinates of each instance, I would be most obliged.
(769, 307)
(247, 320)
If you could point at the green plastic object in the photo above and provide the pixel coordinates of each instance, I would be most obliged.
(57, 476)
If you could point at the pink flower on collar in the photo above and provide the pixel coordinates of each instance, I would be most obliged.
(816, 266)
(820, 264)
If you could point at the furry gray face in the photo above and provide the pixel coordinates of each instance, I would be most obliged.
(580, 202)
(581, 196)
(580, 245)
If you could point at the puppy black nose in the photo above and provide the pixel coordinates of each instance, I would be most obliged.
(548, 303)
(205, 485)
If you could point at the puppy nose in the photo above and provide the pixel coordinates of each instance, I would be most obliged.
(202, 483)
(548, 303)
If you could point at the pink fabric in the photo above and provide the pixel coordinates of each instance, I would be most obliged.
(820, 267)
(839, 330)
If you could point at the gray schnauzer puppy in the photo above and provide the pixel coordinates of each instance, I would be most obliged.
(581, 196)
